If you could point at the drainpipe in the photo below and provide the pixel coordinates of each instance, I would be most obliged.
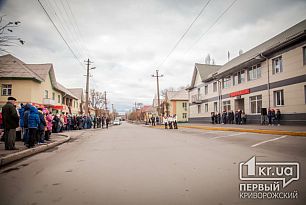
(268, 84)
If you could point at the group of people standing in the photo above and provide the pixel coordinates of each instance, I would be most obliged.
(238, 118)
(170, 121)
(34, 125)
(273, 116)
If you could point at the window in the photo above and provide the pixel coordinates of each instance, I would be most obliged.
(206, 89)
(254, 72)
(238, 77)
(215, 85)
(53, 96)
(199, 109)
(59, 99)
(279, 98)
(226, 82)
(227, 105)
(46, 94)
(256, 104)
(304, 56)
(199, 91)
(277, 65)
(184, 115)
(215, 106)
(6, 89)
(206, 107)
(184, 104)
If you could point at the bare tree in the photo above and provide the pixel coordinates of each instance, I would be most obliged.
(6, 37)
(97, 99)
(164, 91)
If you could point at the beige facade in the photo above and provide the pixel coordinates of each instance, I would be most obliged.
(271, 75)
(35, 84)
(176, 103)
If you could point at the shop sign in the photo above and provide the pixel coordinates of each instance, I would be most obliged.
(240, 92)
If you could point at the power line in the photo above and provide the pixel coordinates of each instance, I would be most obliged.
(185, 33)
(73, 53)
(215, 22)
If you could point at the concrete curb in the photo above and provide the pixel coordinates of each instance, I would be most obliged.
(273, 132)
(28, 152)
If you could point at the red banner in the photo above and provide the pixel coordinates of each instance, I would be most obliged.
(240, 92)
(57, 107)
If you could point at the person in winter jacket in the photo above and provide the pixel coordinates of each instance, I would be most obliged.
(49, 119)
(25, 123)
(41, 127)
(10, 122)
(33, 124)
(21, 118)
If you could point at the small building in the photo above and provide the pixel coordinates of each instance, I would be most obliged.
(35, 84)
(271, 75)
(177, 104)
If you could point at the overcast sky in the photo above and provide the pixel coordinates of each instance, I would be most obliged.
(129, 39)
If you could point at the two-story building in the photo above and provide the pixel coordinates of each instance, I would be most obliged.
(271, 75)
(177, 104)
(35, 84)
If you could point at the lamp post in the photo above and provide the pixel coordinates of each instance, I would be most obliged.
(157, 76)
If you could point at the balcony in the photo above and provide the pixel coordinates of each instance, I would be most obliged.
(48, 101)
(196, 99)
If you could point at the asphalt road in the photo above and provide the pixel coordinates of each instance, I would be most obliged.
(133, 164)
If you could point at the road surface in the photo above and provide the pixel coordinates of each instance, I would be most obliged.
(133, 164)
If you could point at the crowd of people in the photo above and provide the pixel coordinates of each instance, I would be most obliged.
(170, 121)
(238, 118)
(34, 125)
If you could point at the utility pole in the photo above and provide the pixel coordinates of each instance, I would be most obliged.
(157, 76)
(135, 107)
(88, 62)
(105, 101)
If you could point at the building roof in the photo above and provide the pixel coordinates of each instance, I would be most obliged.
(147, 108)
(203, 70)
(78, 92)
(177, 95)
(286, 36)
(12, 67)
(65, 90)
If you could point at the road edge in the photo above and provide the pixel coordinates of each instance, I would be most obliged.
(29, 152)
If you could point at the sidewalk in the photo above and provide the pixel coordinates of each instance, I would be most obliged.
(262, 129)
(8, 156)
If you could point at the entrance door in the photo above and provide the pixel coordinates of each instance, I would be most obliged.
(239, 104)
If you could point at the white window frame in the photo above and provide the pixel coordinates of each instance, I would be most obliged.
(184, 115)
(46, 94)
(254, 72)
(281, 101)
(215, 106)
(258, 98)
(206, 89)
(240, 77)
(58, 98)
(277, 65)
(226, 105)
(215, 87)
(6, 89)
(199, 109)
(206, 107)
(226, 82)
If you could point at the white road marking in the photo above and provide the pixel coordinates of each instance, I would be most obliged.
(215, 131)
(228, 135)
(274, 139)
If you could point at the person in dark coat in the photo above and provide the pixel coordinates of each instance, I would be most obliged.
(10, 122)
(34, 122)
(107, 122)
(278, 117)
(212, 116)
(270, 116)
(224, 117)
(41, 127)
(26, 123)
